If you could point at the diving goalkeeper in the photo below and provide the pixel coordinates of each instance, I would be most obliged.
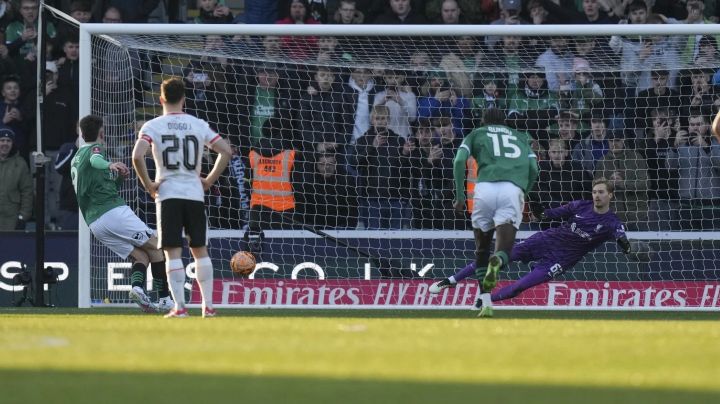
(588, 224)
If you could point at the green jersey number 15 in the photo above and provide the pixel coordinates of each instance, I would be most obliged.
(504, 144)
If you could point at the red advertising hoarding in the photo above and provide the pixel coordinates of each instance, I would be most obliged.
(388, 293)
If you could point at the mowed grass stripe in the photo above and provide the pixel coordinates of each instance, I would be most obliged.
(659, 354)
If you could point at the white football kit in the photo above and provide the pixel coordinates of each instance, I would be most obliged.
(178, 142)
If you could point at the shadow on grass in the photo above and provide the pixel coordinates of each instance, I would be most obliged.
(397, 314)
(60, 387)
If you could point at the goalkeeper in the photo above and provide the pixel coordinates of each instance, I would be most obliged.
(588, 224)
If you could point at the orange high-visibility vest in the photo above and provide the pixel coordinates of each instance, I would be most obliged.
(472, 167)
(271, 186)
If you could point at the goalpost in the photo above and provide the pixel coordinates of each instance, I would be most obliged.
(375, 232)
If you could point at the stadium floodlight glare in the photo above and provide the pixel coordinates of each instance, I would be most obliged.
(120, 79)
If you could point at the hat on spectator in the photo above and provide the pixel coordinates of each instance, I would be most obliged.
(51, 67)
(303, 2)
(580, 65)
(6, 132)
(511, 4)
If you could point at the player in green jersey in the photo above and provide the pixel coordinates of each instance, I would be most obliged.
(110, 220)
(507, 170)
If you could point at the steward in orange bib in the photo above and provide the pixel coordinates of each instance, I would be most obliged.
(470, 185)
(271, 185)
(272, 202)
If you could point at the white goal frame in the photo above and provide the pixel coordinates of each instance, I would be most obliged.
(85, 101)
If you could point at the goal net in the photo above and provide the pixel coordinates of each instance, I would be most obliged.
(342, 178)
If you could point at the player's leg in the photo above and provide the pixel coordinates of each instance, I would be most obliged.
(176, 280)
(123, 232)
(170, 225)
(483, 241)
(157, 268)
(484, 206)
(450, 282)
(542, 272)
(504, 240)
(140, 261)
(137, 279)
(522, 251)
(205, 278)
(196, 229)
(509, 200)
(507, 219)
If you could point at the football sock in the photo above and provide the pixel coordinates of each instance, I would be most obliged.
(204, 272)
(160, 283)
(176, 280)
(486, 299)
(481, 260)
(463, 273)
(503, 256)
(137, 277)
(534, 277)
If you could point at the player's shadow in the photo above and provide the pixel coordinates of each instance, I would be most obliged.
(59, 387)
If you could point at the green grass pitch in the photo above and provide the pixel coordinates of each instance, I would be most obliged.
(297, 356)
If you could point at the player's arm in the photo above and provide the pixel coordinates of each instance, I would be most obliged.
(560, 212)
(624, 244)
(621, 238)
(534, 169)
(138, 157)
(222, 148)
(459, 168)
(534, 173)
(98, 162)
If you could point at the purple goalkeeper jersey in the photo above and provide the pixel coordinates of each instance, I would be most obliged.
(582, 231)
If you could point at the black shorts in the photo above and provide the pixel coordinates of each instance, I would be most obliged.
(177, 214)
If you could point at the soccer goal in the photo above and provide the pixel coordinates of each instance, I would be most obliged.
(346, 136)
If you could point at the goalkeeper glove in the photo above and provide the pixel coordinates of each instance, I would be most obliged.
(624, 244)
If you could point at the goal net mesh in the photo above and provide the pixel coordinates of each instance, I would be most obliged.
(341, 183)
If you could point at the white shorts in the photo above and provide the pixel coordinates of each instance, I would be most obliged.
(120, 230)
(496, 203)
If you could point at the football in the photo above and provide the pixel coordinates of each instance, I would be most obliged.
(242, 263)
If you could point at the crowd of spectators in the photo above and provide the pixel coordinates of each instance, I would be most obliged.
(373, 128)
